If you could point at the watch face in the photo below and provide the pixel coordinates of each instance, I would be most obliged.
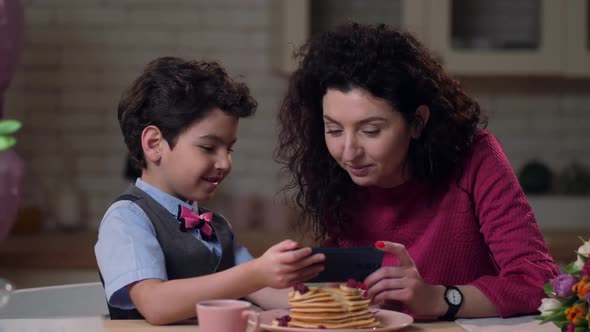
(454, 296)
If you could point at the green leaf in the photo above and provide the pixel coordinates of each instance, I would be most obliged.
(548, 290)
(572, 269)
(6, 142)
(584, 258)
(556, 316)
(581, 329)
(9, 126)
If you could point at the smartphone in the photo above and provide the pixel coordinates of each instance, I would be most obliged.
(342, 264)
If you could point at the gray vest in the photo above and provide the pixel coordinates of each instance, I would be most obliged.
(184, 255)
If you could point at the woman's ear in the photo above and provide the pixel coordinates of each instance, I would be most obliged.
(422, 116)
(152, 143)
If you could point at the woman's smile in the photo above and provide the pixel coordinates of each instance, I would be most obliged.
(358, 171)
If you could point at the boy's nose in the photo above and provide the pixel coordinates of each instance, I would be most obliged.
(223, 163)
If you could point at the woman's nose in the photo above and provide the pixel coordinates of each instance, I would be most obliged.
(351, 149)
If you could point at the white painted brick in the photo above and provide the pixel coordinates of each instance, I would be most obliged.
(42, 101)
(95, 16)
(138, 36)
(47, 165)
(93, 142)
(40, 16)
(247, 19)
(576, 105)
(81, 120)
(45, 121)
(108, 163)
(82, 99)
(186, 4)
(117, 79)
(63, 3)
(14, 105)
(224, 41)
(47, 141)
(45, 56)
(41, 80)
(160, 17)
(102, 185)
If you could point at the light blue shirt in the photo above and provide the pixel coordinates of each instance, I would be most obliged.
(128, 251)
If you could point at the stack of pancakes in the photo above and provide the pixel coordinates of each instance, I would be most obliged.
(329, 308)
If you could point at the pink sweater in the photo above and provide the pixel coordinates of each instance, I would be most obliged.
(478, 231)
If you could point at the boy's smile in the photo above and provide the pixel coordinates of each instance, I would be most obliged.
(199, 161)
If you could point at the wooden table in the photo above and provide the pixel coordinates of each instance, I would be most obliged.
(92, 324)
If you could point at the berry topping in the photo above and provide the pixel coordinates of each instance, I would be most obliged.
(284, 320)
(301, 288)
(351, 283)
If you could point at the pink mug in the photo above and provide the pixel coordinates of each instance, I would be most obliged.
(226, 315)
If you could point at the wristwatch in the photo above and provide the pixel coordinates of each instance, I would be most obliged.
(454, 299)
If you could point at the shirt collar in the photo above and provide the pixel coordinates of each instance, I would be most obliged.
(168, 201)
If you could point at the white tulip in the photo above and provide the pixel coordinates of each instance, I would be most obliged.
(584, 250)
(547, 304)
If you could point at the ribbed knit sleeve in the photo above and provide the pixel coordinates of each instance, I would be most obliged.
(510, 231)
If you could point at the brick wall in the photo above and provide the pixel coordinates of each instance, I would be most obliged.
(80, 54)
(78, 57)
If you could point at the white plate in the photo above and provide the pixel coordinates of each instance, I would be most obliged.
(389, 321)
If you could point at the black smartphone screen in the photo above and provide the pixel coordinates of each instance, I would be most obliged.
(342, 264)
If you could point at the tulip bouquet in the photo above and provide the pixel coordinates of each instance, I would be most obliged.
(569, 295)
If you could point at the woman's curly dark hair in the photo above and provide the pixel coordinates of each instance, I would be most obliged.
(172, 94)
(392, 65)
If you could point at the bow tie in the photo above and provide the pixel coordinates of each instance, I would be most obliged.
(188, 220)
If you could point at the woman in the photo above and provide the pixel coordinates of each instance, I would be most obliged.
(382, 145)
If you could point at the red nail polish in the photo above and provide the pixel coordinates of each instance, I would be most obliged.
(379, 244)
(363, 286)
(365, 294)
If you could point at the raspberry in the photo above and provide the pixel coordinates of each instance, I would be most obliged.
(284, 320)
(353, 283)
(301, 288)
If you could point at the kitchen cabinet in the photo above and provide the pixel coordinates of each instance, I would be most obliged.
(471, 37)
(502, 37)
(294, 21)
(577, 38)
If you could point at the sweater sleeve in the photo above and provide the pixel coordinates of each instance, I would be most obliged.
(510, 231)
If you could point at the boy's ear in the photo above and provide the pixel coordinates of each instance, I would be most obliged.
(422, 116)
(152, 143)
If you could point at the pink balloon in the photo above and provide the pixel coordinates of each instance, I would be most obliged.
(11, 39)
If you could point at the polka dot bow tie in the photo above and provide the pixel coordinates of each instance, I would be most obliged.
(190, 220)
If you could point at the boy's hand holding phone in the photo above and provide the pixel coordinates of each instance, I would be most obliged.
(285, 264)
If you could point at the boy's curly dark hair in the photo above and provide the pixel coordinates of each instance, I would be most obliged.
(172, 94)
(392, 65)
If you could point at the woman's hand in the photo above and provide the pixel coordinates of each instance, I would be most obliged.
(285, 264)
(391, 285)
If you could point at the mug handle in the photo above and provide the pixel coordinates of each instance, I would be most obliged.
(247, 313)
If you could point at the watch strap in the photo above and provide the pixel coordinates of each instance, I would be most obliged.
(451, 313)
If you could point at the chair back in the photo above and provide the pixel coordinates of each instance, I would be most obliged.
(73, 300)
